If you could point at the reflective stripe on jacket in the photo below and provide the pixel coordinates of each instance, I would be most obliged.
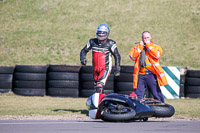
(153, 53)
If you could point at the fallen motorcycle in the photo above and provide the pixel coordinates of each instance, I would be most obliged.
(118, 107)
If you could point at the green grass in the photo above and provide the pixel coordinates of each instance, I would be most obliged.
(186, 107)
(54, 31)
(12, 104)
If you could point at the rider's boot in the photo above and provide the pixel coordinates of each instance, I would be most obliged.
(99, 88)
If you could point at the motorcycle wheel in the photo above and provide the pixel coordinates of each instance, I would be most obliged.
(109, 115)
(164, 110)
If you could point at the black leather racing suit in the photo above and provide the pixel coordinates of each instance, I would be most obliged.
(101, 59)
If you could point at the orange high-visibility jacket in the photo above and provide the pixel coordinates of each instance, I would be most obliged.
(153, 53)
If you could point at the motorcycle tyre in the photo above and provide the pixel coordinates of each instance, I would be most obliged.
(165, 110)
(106, 116)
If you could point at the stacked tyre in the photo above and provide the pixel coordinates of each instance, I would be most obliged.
(182, 86)
(192, 84)
(30, 80)
(63, 81)
(124, 84)
(182, 82)
(87, 82)
(6, 78)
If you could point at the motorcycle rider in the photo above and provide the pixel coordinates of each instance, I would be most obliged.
(102, 50)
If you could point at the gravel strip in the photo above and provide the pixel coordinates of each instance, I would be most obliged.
(46, 117)
(84, 117)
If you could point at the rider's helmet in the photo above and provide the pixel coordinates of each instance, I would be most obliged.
(102, 28)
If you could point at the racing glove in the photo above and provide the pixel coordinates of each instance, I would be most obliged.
(84, 62)
(117, 72)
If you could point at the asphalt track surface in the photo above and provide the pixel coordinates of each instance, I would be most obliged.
(46, 126)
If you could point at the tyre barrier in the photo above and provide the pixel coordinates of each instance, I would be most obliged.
(182, 86)
(30, 80)
(63, 81)
(182, 90)
(74, 81)
(183, 72)
(124, 84)
(6, 78)
(86, 87)
(192, 84)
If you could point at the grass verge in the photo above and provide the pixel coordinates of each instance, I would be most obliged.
(54, 31)
(12, 104)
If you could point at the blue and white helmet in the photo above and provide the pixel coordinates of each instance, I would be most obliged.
(102, 28)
